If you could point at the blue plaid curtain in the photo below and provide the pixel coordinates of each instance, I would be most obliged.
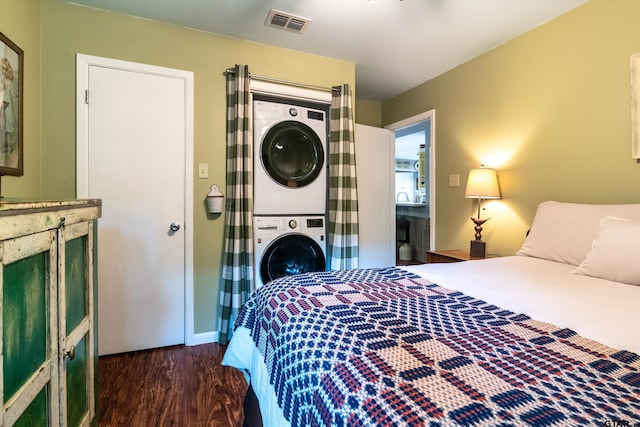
(343, 196)
(237, 268)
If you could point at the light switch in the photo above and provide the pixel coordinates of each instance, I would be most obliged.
(454, 180)
(203, 170)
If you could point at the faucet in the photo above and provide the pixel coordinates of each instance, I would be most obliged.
(406, 197)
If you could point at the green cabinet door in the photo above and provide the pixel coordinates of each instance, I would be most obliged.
(29, 333)
(76, 325)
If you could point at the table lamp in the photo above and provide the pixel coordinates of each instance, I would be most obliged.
(482, 184)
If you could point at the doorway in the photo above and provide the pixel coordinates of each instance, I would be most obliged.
(414, 194)
(135, 152)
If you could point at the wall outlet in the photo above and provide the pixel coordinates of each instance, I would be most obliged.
(454, 180)
(203, 170)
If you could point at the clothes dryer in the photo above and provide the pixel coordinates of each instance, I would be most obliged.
(290, 159)
(284, 246)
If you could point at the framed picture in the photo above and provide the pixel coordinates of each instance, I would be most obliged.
(11, 88)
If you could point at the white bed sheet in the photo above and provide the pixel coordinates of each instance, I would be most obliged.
(548, 291)
(244, 355)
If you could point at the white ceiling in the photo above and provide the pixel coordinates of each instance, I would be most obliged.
(395, 44)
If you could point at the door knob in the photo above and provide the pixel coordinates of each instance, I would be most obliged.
(174, 226)
(71, 353)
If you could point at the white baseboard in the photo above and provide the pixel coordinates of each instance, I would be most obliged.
(203, 338)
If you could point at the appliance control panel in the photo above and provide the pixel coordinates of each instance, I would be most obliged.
(315, 115)
(315, 223)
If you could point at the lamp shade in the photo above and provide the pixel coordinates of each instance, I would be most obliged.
(482, 184)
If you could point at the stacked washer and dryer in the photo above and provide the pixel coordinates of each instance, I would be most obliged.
(290, 188)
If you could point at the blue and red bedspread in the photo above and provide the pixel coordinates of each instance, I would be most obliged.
(385, 347)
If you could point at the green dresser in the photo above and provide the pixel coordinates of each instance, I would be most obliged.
(48, 276)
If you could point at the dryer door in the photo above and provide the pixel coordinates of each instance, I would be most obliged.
(291, 254)
(292, 154)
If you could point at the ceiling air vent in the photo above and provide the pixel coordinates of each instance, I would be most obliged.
(287, 21)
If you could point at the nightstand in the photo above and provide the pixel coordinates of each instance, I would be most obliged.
(454, 255)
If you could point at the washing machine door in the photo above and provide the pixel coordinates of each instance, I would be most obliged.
(291, 254)
(292, 154)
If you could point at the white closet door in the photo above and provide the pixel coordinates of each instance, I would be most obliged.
(375, 160)
(137, 143)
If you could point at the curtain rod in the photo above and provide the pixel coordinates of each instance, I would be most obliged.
(286, 82)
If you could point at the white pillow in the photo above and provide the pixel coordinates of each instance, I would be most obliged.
(614, 255)
(564, 232)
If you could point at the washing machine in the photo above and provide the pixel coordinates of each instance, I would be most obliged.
(288, 245)
(290, 159)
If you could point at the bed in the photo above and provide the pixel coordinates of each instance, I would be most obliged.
(549, 336)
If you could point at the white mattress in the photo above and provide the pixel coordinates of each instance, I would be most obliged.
(547, 291)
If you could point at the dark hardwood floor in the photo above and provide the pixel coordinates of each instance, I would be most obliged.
(171, 386)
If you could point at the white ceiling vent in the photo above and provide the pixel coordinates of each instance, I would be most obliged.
(287, 21)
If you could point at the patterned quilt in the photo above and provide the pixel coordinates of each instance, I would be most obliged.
(385, 347)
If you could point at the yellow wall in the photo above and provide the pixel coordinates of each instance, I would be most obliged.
(69, 29)
(368, 112)
(550, 110)
(20, 22)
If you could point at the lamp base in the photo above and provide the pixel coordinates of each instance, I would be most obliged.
(478, 249)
